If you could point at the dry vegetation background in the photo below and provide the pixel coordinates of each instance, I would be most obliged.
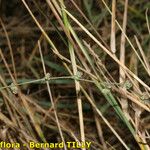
(75, 70)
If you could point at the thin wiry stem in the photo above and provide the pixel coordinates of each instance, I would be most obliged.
(51, 98)
(77, 84)
(122, 78)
